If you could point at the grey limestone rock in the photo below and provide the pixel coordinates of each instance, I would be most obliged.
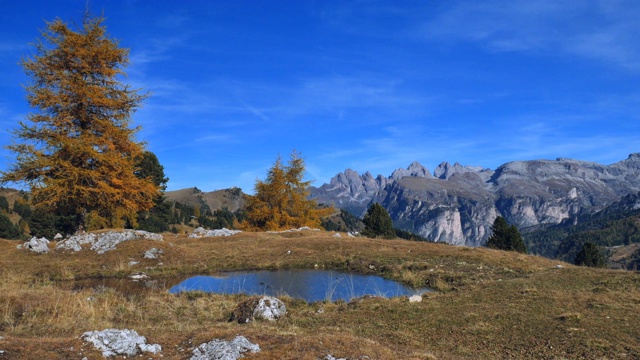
(415, 169)
(263, 307)
(104, 242)
(458, 205)
(202, 232)
(113, 342)
(152, 253)
(40, 246)
(224, 350)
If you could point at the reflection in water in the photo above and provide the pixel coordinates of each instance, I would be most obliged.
(310, 285)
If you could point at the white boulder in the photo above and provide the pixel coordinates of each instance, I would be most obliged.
(224, 350)
(269, 308)
(40, 246)
(113, 342)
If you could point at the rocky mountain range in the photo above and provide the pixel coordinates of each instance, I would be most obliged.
(457, 204)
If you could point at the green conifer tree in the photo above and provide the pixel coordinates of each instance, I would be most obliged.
(589, 255)
(378, 223)
(505, 237)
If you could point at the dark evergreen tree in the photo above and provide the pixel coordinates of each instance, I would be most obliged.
(589, 255)
(46, 224)
(378, 223)
(8, 230)
(4, 204)
(22, 208)
(149, 167)
(505, 237)
(157, 218)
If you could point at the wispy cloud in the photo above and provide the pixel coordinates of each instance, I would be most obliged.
(601, 30)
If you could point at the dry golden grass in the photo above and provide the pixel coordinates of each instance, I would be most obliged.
(490, 304)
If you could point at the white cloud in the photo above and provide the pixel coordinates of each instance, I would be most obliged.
(602, 30)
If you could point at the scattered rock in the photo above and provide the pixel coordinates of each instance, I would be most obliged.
(264, 307)
(415, 299)
(337, 235)
(331, 357)
(304, 228)
(133, 262)
(201, 232)
(40, 246)
(353, 234)
(138, 276)
(120, 342)
(57, 237)
(152, 253)
(224, 350)
(559, 266)
(104, 242)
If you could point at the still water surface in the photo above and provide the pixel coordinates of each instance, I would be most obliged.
(310, 285)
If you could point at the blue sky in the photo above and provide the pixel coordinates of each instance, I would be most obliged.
(366, 85)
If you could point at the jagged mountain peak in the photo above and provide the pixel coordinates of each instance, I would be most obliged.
(446, 170)
(414, 169)
(459, 205)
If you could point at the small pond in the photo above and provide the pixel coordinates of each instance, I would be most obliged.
(310, 285)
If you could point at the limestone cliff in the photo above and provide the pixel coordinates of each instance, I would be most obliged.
(458, 204)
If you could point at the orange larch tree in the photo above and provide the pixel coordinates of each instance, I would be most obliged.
(77, 151)
(281, 201)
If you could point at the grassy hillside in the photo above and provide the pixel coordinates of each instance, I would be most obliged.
(487, 304)
(233, 199)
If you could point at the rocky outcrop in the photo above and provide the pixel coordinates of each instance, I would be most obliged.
(413, 170)
(114, 342)
(350, 191)
(202, 232)
(40, 246)
(446, 170)
(458, 204)
(104, 242)
(224, 350)
(152, 253)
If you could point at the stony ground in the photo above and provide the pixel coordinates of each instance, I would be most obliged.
(487, 304)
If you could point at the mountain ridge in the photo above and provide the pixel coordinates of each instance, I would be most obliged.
(457, 204)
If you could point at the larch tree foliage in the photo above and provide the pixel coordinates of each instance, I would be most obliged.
(77, 151)
(281, 200)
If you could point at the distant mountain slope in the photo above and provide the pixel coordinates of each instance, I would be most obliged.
(457, 204)
(233, 199)
(615, 225)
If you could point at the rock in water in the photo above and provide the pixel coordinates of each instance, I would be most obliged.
(120, 342)
(224, 350)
